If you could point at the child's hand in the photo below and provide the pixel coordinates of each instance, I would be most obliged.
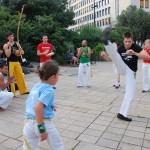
(55, 108)
(43, 136)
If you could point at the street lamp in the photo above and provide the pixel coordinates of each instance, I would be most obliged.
(94, 6)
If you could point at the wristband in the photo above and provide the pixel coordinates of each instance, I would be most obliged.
(41, 128)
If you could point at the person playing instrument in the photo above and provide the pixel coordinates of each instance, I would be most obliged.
(12, 51)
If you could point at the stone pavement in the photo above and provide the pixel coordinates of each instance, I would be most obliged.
(86, 117)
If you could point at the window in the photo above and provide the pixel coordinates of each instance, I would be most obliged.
(99, 3)
(102, 2)
(108, 1)
(97, 23)
(105, 2)
(108, 10)
(106, 21)
(103, 12)
(97, 14)
(146, 3)
(100, 23)
(141, 3)
(100, 13)
(103, 22)
(109, 20)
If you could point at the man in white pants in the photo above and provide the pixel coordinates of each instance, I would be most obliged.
(125, 60)
(84, 53)
(146, 69)
(5, 97)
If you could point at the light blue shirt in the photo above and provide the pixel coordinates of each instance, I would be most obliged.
(45, 94)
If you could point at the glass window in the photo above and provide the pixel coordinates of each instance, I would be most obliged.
(146, 3)
(106, 11)
(100, 13)
(99, 3)
(108, 1)
(103, 12)
(100, 23)
(106, 21)
(141, 3)
(97, 14)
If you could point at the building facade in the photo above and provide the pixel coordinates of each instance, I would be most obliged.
(106, 11)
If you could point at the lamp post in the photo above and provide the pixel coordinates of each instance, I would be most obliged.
(94, 6)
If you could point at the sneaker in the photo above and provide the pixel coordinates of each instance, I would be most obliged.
(88, 86)
(123, 117)
(117, 87)
(105, 35)
(79, 86)
(143, 91)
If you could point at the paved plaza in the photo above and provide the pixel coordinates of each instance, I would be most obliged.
(85, 117)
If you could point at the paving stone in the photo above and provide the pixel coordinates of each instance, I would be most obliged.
(98, 127)
(102, 122)
(131, 140)
(70, 134)
(115, 130)
(112, 136)
(118, 125)
(125, 146)
(134, 134)
(145, 148)
(146, 143)
(3, 138)
(82, 124)
(136, 128)
(107, 143)
(88, 146)
(4, 148)
(87, 138)
(93, 132)
(12, 144)
(75, 128)
(147, 137)
(105, 118)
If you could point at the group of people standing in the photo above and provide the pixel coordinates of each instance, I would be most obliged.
(40, 104)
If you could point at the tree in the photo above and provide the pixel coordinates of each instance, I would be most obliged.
(138, 21)
(40, 17)
(89, 33)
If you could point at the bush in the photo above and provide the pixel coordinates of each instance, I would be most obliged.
(97, 49)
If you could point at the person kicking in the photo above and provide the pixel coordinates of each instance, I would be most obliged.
(126, 61)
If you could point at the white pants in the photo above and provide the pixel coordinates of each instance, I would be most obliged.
(5, 98)
(116, 75)
(31, 136)
(146, 76)
(130, 81)
(41, 64)
(84, 67)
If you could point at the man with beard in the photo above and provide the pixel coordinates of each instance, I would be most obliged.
(84, 53)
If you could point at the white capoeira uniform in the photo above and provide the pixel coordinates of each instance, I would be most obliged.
(146, 72)
(127, 66)
(5, 97)
(116, 75)
(45, 94)
(84, 66)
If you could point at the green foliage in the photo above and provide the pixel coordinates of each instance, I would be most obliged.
(40, 17)
(138, 21)
(89, 33)
(97, 49)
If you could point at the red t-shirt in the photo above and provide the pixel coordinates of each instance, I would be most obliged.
(148, 52)
(46, 48)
